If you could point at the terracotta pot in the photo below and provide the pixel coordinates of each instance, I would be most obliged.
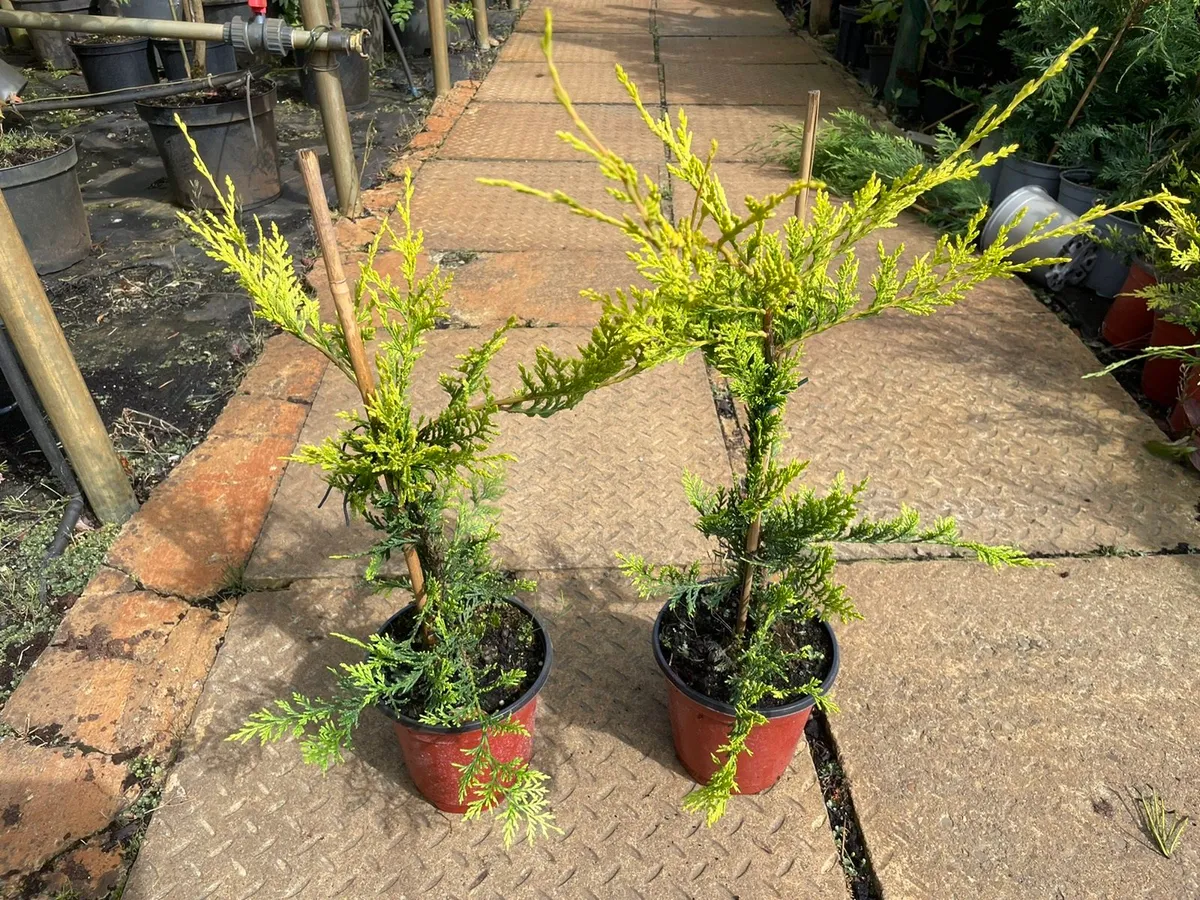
(1161, 377)
(1185, 417)
(699, 725)
(1129, 321)
(431, 753)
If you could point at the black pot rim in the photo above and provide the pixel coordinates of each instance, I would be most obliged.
(55, 164)
(520, 703)
(224, 112)
(100, 46)
(774, 712)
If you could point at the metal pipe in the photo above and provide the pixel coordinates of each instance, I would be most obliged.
(481, 24)
(127, 95)
(391, 30)
(333, 114)
(441, 49)
(39, 340)
(271, 34)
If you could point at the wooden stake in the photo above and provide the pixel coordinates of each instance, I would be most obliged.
(819, 16)
(310, 171)
(806, 152)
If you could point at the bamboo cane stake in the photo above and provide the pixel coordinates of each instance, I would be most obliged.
(481, 24)
(34, 330)
(439, 47)
(808, 148)
(1135, 13)
(310, 171)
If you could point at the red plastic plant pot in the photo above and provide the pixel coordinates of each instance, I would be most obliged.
(1130, 321)
(431, 752)
(699, 725)
(1185, 417)
(1161, 377)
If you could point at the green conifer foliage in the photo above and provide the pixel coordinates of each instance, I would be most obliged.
(427, 483)
(748, 297)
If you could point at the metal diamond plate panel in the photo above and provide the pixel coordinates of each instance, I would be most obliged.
(240, 822)
(689, 18)
(529, 131)
(588, 482)
(575, 47)
(773, 85)
(995, 725)
(585, 82)
(743, 133)
(983, 413)
(742, 51)
(589, 18)
(459, 213)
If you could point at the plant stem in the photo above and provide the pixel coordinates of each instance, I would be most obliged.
(1135, 13)
(364, 378)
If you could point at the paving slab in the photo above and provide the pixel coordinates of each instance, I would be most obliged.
(983, 413)
(994, 724)
(573, 47)
(742, 133)
(744, 51)
(718, 19)
(458, 213)
(588, 482)
(731, 84)
(530, 132)
(586, 82)
(539, 287)
(626, 16)
(241, 821)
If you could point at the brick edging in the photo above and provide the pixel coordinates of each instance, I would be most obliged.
(124, 670)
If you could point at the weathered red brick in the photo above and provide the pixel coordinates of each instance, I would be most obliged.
(287, 370)
(355, 232)
(132, 625)
(425, 140)
(136, 704)
(89, 872)
(51, 798)
(109, 581)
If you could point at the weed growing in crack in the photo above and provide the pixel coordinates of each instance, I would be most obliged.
(1164, 826)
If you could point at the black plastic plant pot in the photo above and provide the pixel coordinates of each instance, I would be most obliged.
(44, 199)
(701, 725)
(879, 65)
(220, 12)
(432, 754)
(354, 72)
(112, 65)
(219, 58)
(848, 29)
(1077, 192)
(147, 9)
(235, 136)
(53, 47)
(1017, 172)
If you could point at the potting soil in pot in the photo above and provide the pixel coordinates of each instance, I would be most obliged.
(19, 147)
(694, 647)
(510, 642)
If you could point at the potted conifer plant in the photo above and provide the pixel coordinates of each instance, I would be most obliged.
(745, 645)
(460, 668)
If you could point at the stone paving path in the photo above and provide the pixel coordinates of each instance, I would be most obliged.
(991, 725)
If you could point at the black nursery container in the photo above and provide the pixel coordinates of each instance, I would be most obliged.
(236, 137)
(113, 65)
(354, 72)
(43, 197)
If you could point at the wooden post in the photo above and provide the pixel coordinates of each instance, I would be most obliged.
(441, 50)
(333, 113)
(820, 12)
(310, 171)
(481, 24)
(39, 340)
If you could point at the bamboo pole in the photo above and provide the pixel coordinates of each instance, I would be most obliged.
(819, 16)
(481, 24)
(194, 10)
(436, 10)
(808, 148)
(754, 532)
(333, 114)
(39, 340)
(310, 171)
(1135, 13)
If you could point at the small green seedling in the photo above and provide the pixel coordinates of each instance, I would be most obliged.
(1166, 826)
